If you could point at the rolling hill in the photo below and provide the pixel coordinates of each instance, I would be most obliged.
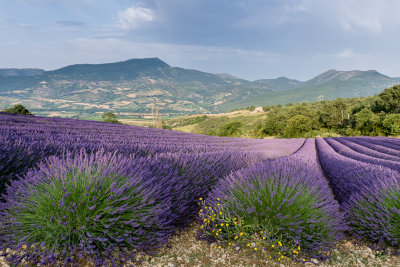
(130, 88)
(326, 86)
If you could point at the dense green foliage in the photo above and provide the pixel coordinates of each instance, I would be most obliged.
(377, 115)
(230, 129)
(18, 109)
(110, 117)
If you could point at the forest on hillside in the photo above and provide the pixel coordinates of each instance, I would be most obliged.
(367, 116)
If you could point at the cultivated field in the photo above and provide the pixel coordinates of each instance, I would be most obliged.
(92, 193)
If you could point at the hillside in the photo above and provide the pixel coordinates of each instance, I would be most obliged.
(279, 84)
(129, 88)
(20, 72)
(373, 115)
(210, 124)
(327, 86)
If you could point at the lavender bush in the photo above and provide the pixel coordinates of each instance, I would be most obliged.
(196, 175)
(368, 194)
(85, 206)
(283, 203)
(375, 216)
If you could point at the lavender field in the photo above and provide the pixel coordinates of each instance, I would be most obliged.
(73, 190)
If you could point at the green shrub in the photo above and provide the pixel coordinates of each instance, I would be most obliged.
(18, 109)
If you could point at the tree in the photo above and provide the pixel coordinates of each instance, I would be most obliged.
(391, 123)
(388, 101)
(297, 126)
(230, 129)
(275, 122)
(332, 114)
(267, 108)
(367, 122)
(110, 117)
(18, 109)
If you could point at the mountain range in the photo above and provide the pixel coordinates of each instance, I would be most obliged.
(131, 87)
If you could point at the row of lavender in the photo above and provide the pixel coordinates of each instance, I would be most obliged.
(284, 206)
(106, 191)
(291, 203)
(75, 189)
(364, 174)
(24, 141)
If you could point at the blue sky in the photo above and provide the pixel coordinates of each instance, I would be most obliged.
(251, 39)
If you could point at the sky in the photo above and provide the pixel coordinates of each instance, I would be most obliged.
(250, 39)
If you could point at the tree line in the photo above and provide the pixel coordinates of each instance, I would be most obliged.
(368, 116)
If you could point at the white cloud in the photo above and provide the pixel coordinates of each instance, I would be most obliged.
(371, 16)
(270, 16)
(369, 22)
(346, 53)
(132, 17)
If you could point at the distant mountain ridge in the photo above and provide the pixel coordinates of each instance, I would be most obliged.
(335, 76)
(132, 86)
(20, 72)
(280, 84)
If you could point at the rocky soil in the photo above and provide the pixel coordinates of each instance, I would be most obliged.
(184, 250)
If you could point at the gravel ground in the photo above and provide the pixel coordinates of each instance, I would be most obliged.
(184, 250)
